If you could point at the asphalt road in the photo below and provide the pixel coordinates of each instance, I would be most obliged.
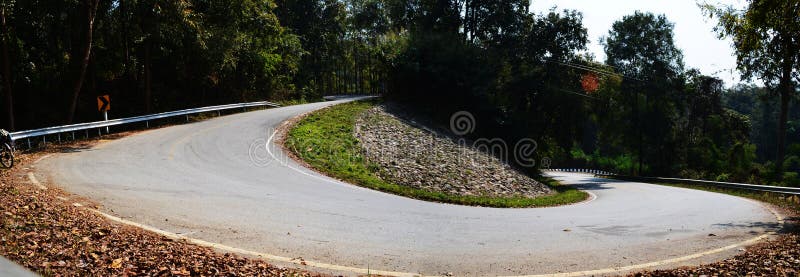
(11, 269)
(201, 180)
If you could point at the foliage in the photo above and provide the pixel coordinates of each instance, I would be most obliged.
(153, 55)
(521, 73)
(766, 37)
(642, 49)
(148, 55)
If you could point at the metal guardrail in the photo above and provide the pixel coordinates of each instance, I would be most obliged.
(773, 189)
(113, 122)
(581, 170)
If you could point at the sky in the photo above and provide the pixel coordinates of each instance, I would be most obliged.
(694, 32)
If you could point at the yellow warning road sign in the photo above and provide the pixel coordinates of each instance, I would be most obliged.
(103, 103)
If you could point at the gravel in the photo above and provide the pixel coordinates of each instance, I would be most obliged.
(412, 155)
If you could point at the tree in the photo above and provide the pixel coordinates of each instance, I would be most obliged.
(766, 37)
(6, 65)
(491, 22)
(83, 62)
(642, 48)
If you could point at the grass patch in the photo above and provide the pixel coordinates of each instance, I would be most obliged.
(324, 139)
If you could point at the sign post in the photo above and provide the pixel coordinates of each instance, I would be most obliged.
(103, 105)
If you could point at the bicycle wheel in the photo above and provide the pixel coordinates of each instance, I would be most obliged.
(6, 156)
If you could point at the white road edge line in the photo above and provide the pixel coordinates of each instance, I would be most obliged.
(592, 197)
(284, 163)
(41, 158)
(775, 213)
(35, 182)
(650, 264)
(358, 270)
(267, 256)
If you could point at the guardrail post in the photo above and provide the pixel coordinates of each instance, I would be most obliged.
(59, 137)
(29, 144)
(105, 117)
(147, 124)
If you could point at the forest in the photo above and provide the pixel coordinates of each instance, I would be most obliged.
(522, 73)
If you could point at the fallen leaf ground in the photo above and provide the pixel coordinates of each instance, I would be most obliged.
(42, 230)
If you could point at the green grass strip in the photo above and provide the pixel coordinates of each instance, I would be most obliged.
(324, 139)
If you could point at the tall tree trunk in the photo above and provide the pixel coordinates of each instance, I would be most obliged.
(123, 7)
(91, 11)
(148, 77)
(781, 147)
(359, 74)
(786, 90)
(7, 71)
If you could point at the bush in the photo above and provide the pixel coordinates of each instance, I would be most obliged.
(690, 174)
(791, 179)
(792, 163)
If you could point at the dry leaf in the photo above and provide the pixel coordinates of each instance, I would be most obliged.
(117, 263)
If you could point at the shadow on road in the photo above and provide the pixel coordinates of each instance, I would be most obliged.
(591, 183)
(591, 186)
(773, 226)
(74, 149)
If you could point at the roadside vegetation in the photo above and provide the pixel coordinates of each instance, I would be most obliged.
(324, 139)
(523, 73)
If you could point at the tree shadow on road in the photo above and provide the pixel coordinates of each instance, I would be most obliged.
(791, 225)
(74, 149)
(591, 186)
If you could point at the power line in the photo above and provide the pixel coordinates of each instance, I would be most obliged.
(595, 70)
(578, 93)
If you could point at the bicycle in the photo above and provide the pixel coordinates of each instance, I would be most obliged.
(6, 151)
